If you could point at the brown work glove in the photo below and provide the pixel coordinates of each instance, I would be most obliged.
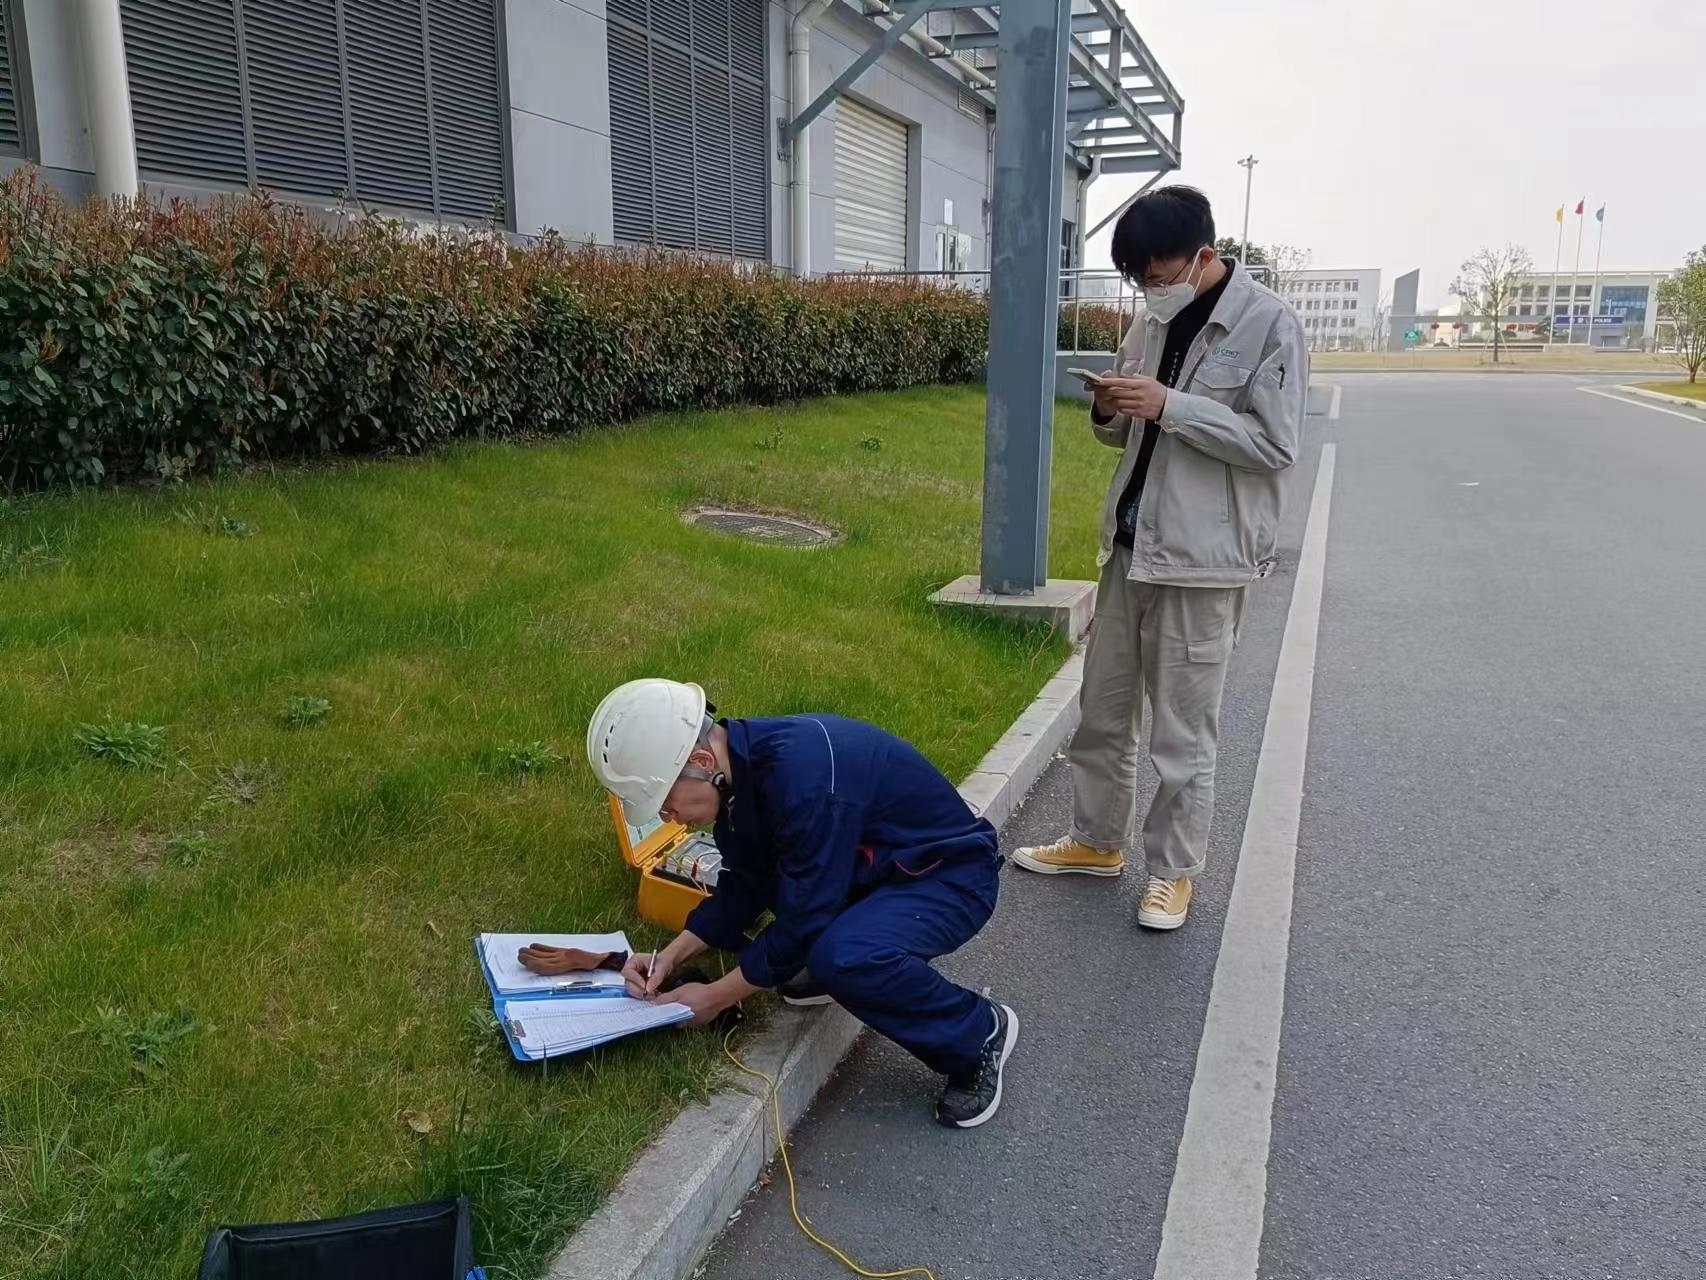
(549, 962)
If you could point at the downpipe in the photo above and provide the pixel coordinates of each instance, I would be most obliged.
(800, 152)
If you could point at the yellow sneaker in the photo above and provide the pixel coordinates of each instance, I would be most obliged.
(1067, 856)
(1165, 903)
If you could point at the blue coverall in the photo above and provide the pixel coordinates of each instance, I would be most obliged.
(873, 865)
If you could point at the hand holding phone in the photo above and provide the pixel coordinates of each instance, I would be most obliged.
(1100, 390)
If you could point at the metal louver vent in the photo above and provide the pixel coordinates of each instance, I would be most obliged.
(713, 162)
(675, 197)
(689, 126)
(395, 102)
(630, 134)
(752, 174)
(388, 102)
(467, 108)
(186, 88)
(11, 133)
(296, 95)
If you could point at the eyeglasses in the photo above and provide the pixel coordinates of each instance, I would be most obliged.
(1183, 271)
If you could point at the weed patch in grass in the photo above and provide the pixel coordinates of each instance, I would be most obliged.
(32, 554)
(241, 784)
(122, 742)
(189, 850)
(524, 759)
(145, 1044)
(152, 1181)
(304, 712)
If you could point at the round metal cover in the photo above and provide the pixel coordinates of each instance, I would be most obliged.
(785, 531)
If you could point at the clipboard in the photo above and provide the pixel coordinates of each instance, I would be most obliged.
(605, 1013)
(568, 989)
(601, 1022)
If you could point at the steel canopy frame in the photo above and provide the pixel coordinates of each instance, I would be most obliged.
(1117, 94)
(1121, 107)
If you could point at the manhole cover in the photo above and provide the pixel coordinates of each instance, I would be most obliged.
(786, 531)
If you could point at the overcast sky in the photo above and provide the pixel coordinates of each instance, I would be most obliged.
(1396, 135)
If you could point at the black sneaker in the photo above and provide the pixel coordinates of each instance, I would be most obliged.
(802, 990)
(967, 1101)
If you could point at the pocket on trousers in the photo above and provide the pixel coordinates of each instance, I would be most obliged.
(1210, 623)
(1216, 650)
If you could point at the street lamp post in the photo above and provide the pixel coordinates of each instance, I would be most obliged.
(1248, 164)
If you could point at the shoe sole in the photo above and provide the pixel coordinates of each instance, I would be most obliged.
(1054, 869)
(808, 1002)
(1001, 1077)
(1159, 923)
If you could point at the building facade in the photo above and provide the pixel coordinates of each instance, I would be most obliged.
(615, 122)
(1339, 308)
(1619, 309)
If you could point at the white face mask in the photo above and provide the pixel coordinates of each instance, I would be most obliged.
(1165, 301)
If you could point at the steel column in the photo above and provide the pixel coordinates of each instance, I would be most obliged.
(1030, 127)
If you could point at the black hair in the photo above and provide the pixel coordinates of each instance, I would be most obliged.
(1172, 222)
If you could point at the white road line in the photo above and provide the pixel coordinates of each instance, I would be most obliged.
(1333, 409)
(1642, 404)
(1213, 1228)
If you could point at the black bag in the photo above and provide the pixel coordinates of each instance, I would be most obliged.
(411, 1242)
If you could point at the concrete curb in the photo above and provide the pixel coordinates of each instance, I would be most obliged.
(671, 1205)
(1698, 406)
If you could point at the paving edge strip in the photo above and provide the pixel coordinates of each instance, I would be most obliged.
(678, 1195)
(1697, 406)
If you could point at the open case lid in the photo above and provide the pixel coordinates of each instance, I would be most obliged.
(642, 843)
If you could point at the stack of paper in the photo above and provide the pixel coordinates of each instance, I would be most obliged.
(545, 1028)
(506, 976)
(543, 1017)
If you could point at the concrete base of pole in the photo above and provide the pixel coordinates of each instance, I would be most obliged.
(1064, 603)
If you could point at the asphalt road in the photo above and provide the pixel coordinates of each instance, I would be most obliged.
(1493, 1061)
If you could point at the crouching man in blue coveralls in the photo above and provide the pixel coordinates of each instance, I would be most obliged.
(870, 861)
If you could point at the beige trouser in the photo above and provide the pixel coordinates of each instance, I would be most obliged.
(1172, 643)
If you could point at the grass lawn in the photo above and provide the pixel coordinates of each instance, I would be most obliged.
(239, 986)
(1687, 390)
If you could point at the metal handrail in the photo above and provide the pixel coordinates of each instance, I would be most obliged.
(1071, 281)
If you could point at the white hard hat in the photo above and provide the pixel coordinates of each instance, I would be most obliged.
(640, 738)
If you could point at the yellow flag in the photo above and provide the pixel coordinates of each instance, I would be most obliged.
(1559, 216)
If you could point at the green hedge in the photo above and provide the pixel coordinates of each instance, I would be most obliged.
(144, 339)
(1097, 327)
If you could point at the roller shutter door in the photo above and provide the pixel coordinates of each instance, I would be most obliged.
(870, 189)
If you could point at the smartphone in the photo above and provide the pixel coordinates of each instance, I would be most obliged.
(1086, 377)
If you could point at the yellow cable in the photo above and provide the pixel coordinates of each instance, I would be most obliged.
(793, 1191)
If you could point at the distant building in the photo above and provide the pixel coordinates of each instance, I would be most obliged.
(1401, 330)
(1338, 307)
(1622, 308)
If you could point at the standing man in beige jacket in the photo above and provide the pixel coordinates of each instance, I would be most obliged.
(1206, 402)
